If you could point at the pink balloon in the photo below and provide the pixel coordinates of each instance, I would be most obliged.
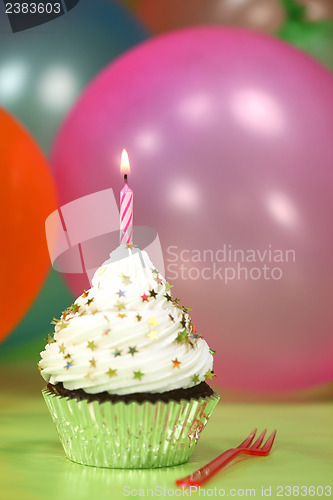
(230, 138)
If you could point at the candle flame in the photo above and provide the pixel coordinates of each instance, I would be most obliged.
(124, 163)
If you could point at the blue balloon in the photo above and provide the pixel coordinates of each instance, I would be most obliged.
(44, 69)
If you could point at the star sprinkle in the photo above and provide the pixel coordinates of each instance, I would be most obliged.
(69, 364)
(67, 356)
(176, 301)
(153, 321)
(158, 280)
(107, 331)
(65, 313)
(176, 363)
(89, 301)
(55, 321)
(85, 294)
(168, 297)
(152, 293)
(132, 350)
(155, 271)
(121, 315)
(121, 293)
(50, 339)
(100, 271)
(144, 297)
(116, 353)
(138, 317)
(168, 287)
(111, 372)
(120, 306)
(92, 363)
(75, 308)
(195, 379)
(91, 345)
(138, 374)
(210, 375)
(61, 325)
(125, 279)
(62, 348)
(195, 336)
(182, 337)
(130, 246)
(183, 322)
(152, 335)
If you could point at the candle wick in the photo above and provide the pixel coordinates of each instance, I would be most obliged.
(125, 178)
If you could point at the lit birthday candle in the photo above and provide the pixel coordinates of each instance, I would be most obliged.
(126, 203)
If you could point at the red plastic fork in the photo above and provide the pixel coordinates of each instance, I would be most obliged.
(201, 476)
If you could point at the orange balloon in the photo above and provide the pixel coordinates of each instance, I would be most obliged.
(27, 197)
(165, 15)
(318, 10)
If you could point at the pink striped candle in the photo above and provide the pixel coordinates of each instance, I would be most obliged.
(126, 203)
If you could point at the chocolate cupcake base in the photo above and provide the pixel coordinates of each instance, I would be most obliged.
(130, 431)
(201, 390)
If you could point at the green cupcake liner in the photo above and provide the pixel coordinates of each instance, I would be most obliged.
(129, 435)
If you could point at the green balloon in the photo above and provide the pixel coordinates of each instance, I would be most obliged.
(35, 326)
(315, 38)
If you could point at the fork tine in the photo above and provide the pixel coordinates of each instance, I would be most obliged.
(269, 443)
(259, 440)
(249, 439)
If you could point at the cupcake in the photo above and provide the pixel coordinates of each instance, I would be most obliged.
(126, 370)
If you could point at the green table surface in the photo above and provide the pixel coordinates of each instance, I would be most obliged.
(33, 465)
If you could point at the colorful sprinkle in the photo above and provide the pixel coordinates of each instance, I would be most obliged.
(181, 337)
(100, 271)
(91, 345)
(62, 348)
(210, 375)
(111, 372)
(152, 335)
(152, 293)
(138, 374)
(153, 321)
(50, 339)
(120, 306)
(176, 363)
(125, 279)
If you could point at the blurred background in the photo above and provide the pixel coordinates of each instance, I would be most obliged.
(226, 110)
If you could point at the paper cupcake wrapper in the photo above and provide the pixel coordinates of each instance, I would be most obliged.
(129, 435)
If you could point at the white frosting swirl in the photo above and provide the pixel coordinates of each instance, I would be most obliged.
(126, 334)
